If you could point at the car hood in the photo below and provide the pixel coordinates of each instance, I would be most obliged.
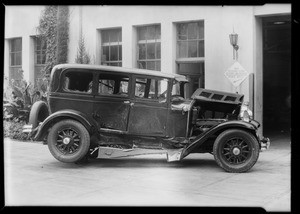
(217, 100)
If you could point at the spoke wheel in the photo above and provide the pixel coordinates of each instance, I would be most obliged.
(236, 150)
(68, 141)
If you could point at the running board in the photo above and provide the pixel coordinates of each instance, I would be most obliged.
(109, 152)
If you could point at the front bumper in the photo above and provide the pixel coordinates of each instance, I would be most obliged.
(264, 144)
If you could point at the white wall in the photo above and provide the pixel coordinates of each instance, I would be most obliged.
(21, 21)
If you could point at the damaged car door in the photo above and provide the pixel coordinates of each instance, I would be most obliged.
(149, 107)
(112, 99)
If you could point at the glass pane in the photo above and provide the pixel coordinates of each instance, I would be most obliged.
(192, 30)
(107, 86)
(157, 66)
(201, 48)
(104, 36)
(182, 49)
(158, 55)
(114, 35)
(157, 33)
(140, 86)
(43, 59)
(141, 33)
(105, 53)
(162, 90)
(151, 51)
(150, 65)
(142, 64)
(113, 53)
(192, 49)
(151, 94)
(18, 58)
(38, 44)
(120, 52)
(150, 32)
(123, 87)
(142, 51)
(12, 59)
(182, 31)
(201, 30)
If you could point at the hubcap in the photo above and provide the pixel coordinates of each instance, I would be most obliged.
(236, 151)
(66, 140)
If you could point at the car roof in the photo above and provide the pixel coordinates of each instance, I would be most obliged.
(178, 77)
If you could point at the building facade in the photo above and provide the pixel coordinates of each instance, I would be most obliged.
(189, 40)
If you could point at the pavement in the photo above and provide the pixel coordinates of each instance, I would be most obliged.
(34, 178)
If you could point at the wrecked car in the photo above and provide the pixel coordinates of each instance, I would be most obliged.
(98, 111)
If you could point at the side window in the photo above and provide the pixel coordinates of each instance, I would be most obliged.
(150, 88)
(78, 81)
(113, 84)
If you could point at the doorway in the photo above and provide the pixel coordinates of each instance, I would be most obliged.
(276, 75)
(194, 72)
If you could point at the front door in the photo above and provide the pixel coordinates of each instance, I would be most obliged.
(149, 108)
(111, 107)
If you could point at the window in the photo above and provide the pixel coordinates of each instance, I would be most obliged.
(40, 51)
(111, 47)
(15, 52)
(190, 40)
(149, 52)
(78, 81)
(112, 84)
(155, 89)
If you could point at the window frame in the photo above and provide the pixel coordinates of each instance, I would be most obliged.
(156, 100)
(110, 44)
(41, 52)
(72, 70)
(156, 41)
(113, 74)
(14, 53)
(188, 40)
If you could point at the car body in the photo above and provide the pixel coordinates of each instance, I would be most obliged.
(98, 111)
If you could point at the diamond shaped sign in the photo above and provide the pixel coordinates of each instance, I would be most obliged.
(236, 74)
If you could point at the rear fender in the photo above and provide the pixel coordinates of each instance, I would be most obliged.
(216, 130)
(88, 123)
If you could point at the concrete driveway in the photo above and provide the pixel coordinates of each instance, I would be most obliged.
(34, 178)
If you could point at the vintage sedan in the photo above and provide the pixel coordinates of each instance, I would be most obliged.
(110, 112)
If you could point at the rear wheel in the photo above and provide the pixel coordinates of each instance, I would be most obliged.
(68, 141)
(236, 150)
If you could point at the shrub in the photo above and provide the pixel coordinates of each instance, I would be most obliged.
(13, 129)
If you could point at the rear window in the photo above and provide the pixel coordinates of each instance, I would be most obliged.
(78, 81)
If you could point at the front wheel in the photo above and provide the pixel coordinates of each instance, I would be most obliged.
(68, 141)
(236, 150)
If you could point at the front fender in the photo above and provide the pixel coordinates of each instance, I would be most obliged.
(87, 122)
(232, 124)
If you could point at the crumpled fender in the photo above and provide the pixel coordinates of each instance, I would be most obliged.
(88, 123)
(232, 124)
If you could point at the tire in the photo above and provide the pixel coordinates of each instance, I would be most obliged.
(236, 150)
(38, 113)
(68, 141)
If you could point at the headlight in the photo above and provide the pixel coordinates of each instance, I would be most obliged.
(245, 113)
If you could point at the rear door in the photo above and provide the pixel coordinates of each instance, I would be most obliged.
(149, 106)
(111, 103)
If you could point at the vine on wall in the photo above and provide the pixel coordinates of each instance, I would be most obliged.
(54, 30)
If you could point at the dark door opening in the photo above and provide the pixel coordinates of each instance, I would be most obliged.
(276, 75)
(195, 74)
